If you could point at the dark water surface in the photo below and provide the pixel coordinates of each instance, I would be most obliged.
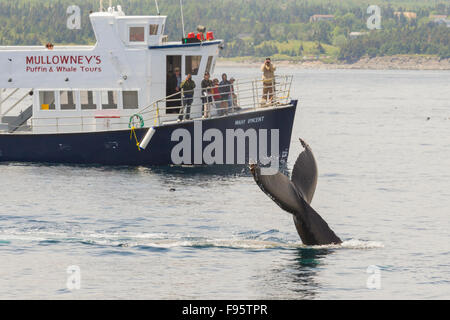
(384, 187)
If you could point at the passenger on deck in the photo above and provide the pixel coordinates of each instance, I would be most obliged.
(49, 46)
(178, 87)
(217, 97)
(187, 87)
(268, 70)
(206, 98)
(225, 90)
(233, 95)
(173, 88)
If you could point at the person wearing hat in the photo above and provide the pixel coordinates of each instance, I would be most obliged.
(187, 87)
(268, 70)
(206, 96)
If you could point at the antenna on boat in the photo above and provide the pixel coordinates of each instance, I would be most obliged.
(157, 8)
(182, 18)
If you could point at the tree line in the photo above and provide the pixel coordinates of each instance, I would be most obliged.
(250, 27)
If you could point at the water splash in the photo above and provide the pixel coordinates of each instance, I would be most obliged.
(260, 241)
(352, 244)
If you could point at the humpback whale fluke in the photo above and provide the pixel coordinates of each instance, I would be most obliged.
(295, 196)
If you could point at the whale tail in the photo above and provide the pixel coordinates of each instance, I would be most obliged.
(295, 195)
(304, 173)
(312, 229)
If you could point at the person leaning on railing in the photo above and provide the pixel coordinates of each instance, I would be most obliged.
(233, 95)
(268, 70)
(187, 87)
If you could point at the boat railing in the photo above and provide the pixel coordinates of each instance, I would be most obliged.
(16, 103)
(243, 95)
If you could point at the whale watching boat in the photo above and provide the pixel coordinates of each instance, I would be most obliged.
(112, 104)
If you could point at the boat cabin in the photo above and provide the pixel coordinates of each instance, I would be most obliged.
(91, 88)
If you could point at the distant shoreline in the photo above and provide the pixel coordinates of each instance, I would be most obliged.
(397, 62)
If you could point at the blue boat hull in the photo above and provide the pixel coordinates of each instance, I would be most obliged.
(117, 148)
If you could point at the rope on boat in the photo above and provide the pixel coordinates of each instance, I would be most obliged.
(132, 126)
(133, 132)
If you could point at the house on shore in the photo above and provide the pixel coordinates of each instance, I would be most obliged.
(435, 17)
(321, 17)
(407, 14)
(440, 19)
(355, 34)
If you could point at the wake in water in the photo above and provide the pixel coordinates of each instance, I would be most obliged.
(164, 241)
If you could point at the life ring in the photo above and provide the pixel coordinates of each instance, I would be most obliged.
(136, 117)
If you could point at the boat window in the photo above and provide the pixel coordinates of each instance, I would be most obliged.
(67, 100)
(47, 100)
(109, 99)
(137, 34)
(209, 64)
(153, 29)
(213, 66)
(172, 81)
(87, 100)
(130, 99)
(193, 64)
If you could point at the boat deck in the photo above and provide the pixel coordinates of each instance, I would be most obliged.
(246, 96)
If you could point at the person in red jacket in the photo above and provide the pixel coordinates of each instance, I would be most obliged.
(217, 97)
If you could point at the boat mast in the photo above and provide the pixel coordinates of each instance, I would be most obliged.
(182, 18)
(157, 8)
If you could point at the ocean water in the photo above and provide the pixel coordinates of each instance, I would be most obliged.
(382, 143)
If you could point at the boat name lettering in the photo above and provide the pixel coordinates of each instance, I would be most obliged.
(252, 120)
(63, 69)
(63, 64)
(53, 60)
(255, 120)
